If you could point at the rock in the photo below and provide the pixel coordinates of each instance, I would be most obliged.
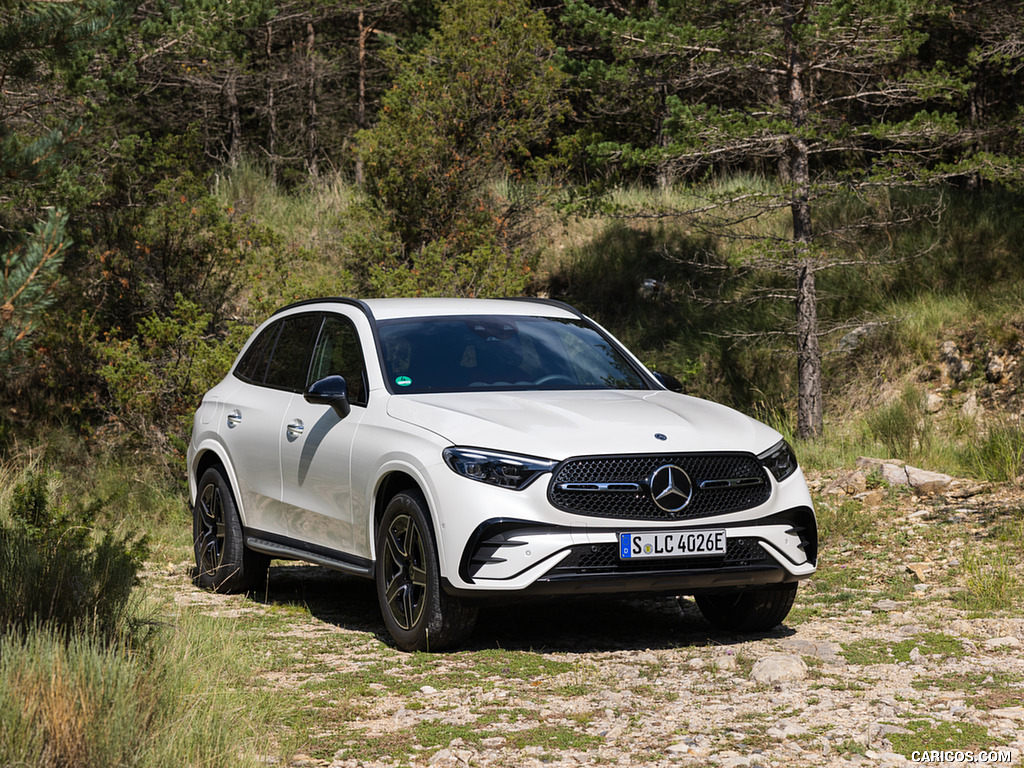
(778, 668)
(970, 409)
(954, 365)
(896, 472)
(887, 606)
(994, 369)
(925, 482)
(1008, 713)
(919, 570)
(848, 483)
(1002, 642)
(819, 649)
(851, 341)
(933, 403)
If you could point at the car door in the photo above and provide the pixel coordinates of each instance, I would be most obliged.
(272, 372)
(316, 443)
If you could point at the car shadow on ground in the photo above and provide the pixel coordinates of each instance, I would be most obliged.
(567, 625)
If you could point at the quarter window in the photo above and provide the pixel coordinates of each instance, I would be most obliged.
(253, 365)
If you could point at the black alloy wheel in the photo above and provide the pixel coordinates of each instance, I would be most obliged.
(748, 611)
(223, 562)
(404, 571)
(418, 613)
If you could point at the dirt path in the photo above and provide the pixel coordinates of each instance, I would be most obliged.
(898, 646)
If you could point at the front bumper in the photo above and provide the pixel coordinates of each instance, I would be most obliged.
(505, 556)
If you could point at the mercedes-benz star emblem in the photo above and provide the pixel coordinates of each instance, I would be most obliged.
(671, 488)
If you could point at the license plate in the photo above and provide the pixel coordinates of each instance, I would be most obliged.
(634, 546)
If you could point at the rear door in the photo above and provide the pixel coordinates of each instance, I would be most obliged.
(273, 371)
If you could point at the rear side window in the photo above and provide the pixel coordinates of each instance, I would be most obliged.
(289, 362)
(279, 357)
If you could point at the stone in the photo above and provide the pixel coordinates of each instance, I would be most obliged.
(1002, 642)
(994, 369)
(933, 403)
(918, 570)
(887, 606)
(819, 649)
(925, 482)
(778, 668)
(896, 472)
(848, 484)
(1008, 713)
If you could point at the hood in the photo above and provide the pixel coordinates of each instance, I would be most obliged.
(556, 425)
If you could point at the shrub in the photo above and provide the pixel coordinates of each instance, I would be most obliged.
(435, 271)
(902, 426)
(58, 571)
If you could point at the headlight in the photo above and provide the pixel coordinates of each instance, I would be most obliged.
(502, 469)
(779, 460)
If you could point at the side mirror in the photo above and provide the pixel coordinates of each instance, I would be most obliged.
(669, 382)
(332, 391)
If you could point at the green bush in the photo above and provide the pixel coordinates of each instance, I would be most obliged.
(436, 271)
(156, 378)
(57, 571)
(902, 426)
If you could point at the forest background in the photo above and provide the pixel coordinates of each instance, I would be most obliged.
(730, 186)
(810, 210)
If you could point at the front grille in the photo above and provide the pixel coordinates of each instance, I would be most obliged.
(603, 559)
(721, 483)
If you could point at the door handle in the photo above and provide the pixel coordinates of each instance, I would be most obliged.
(295, 428)
(234, 418)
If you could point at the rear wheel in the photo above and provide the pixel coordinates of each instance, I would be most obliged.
(751, 611)
(223, 562)
(418, 613)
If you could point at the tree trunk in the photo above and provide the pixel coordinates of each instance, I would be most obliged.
(311, 128)
(361, 105)
(234, 120)
(808, 351)
(271, 107)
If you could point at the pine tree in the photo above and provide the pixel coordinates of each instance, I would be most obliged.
(826, 99)
(46, 51)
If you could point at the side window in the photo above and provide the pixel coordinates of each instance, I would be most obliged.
(338, 352)
(289, 361)
(253, 365)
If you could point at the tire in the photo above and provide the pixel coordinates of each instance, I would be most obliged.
(418, 613)
(223, 562)
(752, 611)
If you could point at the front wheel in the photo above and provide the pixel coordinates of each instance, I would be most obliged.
(418, 613)
(223, 562)
(751, 611)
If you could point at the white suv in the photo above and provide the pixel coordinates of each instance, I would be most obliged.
(465, 450)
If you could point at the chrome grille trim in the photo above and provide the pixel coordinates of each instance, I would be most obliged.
(617, 486)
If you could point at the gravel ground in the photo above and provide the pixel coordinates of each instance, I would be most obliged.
(885, 655)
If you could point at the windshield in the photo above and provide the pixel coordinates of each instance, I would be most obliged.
(469, 354)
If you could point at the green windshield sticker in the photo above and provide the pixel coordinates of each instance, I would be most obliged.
(403, 381)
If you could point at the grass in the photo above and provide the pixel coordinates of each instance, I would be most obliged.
(85, 703)
(870, 651)
(991, 582)
(939, 735)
